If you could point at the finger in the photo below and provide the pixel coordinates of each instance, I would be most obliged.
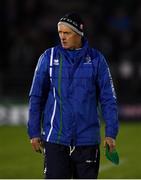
(111, 146)
(106, 141)
(35, 146)
(39, 151)
(110, 142)
(42, 144)
(105, 144)
(39, 148)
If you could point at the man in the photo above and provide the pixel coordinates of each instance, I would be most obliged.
(69, 82)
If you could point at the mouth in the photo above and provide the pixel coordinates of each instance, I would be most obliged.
(64, 44)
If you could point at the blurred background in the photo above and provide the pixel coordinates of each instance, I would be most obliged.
(28, 28)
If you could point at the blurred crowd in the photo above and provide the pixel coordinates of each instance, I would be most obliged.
(28, 27)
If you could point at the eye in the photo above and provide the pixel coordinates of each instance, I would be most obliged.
(67, 33)
(60, 33)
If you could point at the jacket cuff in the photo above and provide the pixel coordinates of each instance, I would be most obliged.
(110, 132)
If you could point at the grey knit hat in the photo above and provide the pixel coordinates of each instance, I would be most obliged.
(73, 21)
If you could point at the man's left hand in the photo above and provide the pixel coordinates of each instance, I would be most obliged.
(111, 142)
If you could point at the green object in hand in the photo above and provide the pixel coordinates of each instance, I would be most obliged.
(112, 156)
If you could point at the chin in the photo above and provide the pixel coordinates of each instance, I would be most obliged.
(65, 47)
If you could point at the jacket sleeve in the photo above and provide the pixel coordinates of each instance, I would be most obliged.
(38, 95)
(107, 98)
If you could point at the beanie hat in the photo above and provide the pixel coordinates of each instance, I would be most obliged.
(73, 21)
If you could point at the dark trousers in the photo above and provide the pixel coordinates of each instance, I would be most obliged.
(63, 162)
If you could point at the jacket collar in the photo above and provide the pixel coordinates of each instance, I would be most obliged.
(75, 53)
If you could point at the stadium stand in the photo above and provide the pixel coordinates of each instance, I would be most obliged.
(29, 27)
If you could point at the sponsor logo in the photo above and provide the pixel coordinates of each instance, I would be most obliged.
(90, 161)
(56, 62)
(88, 60)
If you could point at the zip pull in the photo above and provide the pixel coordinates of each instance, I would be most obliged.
(72, 150)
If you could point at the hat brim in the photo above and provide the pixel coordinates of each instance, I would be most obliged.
(72, 27)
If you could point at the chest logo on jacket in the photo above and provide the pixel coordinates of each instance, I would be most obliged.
(87, 60)
(56, 62)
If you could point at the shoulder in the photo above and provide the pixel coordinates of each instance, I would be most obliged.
(51, 51)
(47, 52)
(98, 58)
(44, 58)
(96, 53)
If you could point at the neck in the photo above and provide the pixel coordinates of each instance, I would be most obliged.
(77, 46)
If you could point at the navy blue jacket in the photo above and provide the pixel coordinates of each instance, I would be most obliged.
(66, 89)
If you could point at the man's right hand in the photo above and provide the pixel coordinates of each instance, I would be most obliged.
(37, 144)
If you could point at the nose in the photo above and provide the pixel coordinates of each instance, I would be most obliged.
(62, 36)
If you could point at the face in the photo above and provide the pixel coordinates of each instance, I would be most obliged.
(69, 39)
